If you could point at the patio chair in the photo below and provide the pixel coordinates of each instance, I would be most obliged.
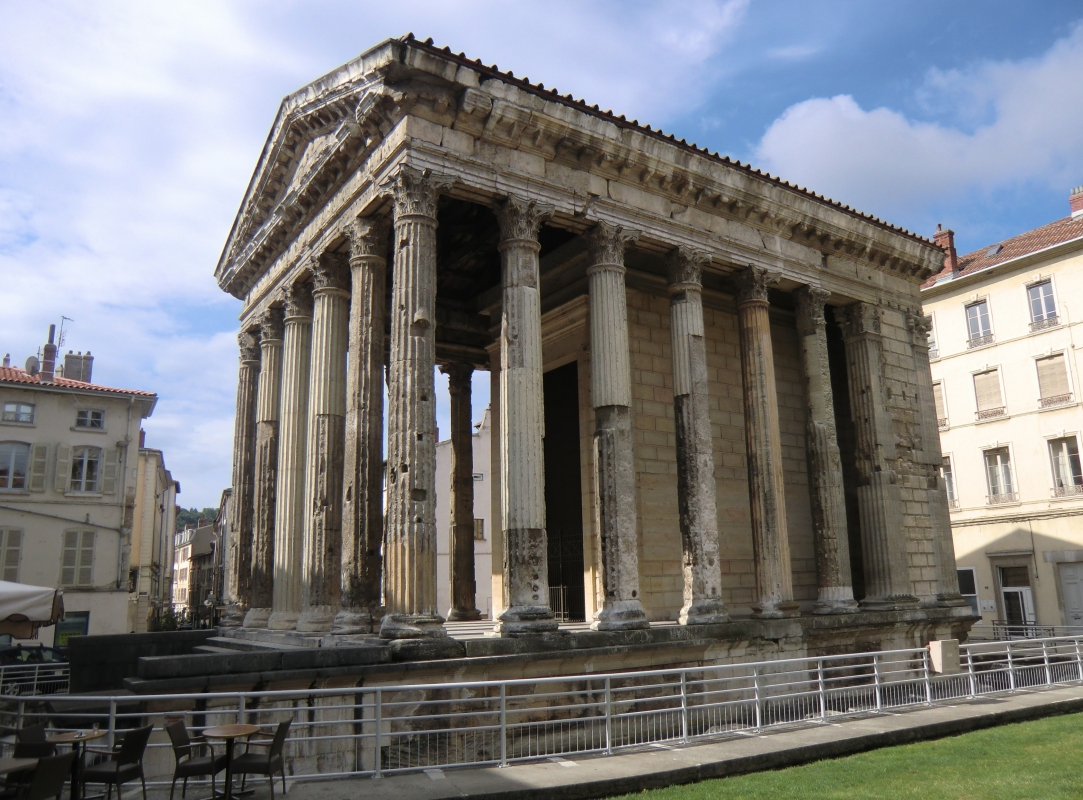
(48, 778)
(125, 764)
(188, 764)
(268, 763)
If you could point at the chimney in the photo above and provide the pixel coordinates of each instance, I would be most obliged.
(946, 240)
(1075, 202)
(88, 366)
(77, 366)
(48, 357)
(7, 359)
(142, 438)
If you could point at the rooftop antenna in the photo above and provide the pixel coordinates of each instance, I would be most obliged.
(60, 340)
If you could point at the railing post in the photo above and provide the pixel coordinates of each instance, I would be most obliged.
(759, 702)
(19, 714)
(1011, 667)
(503, 725)
(37, 670)
(928, 682)
(970, 673)
(110, 741)
(876, 680)
(1045, 660)
(684, 706)
(822, 691)
(1078, 660)
(608, 717)
(378, 713)
(240, 709)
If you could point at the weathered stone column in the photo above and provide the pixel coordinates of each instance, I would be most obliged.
(883, 540)
(931, 458)
(522, 420)
(766, 490)
(322, 564)
(611, 395)
(835, 592)
(266, 477)
(695, 455)
(239, 580)
(293, 429)
(362, 491)
(410, 548)
(463, 585)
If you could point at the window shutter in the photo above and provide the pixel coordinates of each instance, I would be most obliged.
(109, 473)
(1052, 376)
(39, 461)
(63, 467)
(938, 396)
(13, 543)
(86, 559)
(987, 390)
(70, 558)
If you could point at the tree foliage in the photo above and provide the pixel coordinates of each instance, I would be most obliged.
(190, 516)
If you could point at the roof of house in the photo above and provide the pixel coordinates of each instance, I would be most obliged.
(16, 375)
(1063, 230)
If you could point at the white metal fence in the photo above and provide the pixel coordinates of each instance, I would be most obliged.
(381, 730)
(22, 680)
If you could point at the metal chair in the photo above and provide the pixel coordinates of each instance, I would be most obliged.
(265, 763)
(126, 763)
(188, 765)
(29, 743)
(48, 778)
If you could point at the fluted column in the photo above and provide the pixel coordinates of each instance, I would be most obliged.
(461, 571)
(883, 540)
(763, 441)
(238, 582)
(522, 419)
(614, 468)
(835, 592)
(362, 491)
(322, 564)
(410, 549)
(266, 476)
(293, 430)
(931, 458)
(696, 501)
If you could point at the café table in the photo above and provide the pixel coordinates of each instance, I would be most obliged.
(9, 765)
(77, 740)
(230, 734)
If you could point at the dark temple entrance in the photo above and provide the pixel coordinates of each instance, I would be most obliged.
(563, 495)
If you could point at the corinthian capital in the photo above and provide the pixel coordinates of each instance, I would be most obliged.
(248, 342)
(752, 284)
(271, 325)
(920, 327)
(810, 309)
(607, 243)
(368, 237)
(685, 265)
(860, 319)
(416, 191)
(522, 219)
(298, 299)
(329, 271)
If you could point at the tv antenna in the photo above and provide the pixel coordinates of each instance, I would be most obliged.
(60, 339)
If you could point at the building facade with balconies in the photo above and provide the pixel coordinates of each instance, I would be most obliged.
(1006, 369)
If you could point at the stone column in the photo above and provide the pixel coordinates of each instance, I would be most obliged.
(931, 459)
(461, 562)
(410, 549)
(238, 582)
(766, 490)
(266, 477)
(322, 564)
(835, 592)
(362, 492)
(883, 540)
(695, 455)
(522, 419)
(293, 429)
(611, 395)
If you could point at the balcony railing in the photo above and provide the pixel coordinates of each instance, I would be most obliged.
(991, 413)
(934, 352)
(942, 422)
(1055, 400)
(979, 341)
(1068, 491)
(1042, 324)
(1001, 499)
(953, 505)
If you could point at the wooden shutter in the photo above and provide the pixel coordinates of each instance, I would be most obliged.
(39, 462)
(1052, 376)
(86, 558)
(63, 467)
(109, 472)
(938, 396)
(12, 546)
(987, 390)
(70, 558)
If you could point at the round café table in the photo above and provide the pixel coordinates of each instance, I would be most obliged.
(9, 765)
(230, 733)
(77, 740)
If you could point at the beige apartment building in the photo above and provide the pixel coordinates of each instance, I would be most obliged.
(83, 506)
(1005, 364)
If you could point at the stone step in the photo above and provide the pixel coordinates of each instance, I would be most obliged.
(234, 645)
(208, 648)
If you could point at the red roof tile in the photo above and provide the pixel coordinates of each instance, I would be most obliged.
(16, 375)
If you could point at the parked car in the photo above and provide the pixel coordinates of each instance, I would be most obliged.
(31, 654)
(32, 669)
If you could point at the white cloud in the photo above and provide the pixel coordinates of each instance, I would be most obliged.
(1007, 123)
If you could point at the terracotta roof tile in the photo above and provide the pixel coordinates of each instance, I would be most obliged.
(16, 375)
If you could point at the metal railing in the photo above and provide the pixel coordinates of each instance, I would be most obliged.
(991, 413)
(374, 731)
(979, 341)
(23, 680)
(1055, 400)
(1002, 629)
(1004, 498)
(1068, 491)
(1041, 324)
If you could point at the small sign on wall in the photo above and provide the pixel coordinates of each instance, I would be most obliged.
(75, 623)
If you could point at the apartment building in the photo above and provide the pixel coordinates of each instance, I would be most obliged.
(1004, 348)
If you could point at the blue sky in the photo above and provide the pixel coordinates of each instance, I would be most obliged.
(129, 130)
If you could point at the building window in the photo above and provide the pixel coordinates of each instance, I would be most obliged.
(18, 412)
(1043, 309)
(979, 330)
(479, 530)
(968, 587)
(949, 482)
(998, 471)
(987, 394)
(941, 409)
(1053, 381)
(1067, 476)
(14, 460)
(934, 349)
(90, 419)
(77, 566)
(85, 463)
(182, 576)
(11, 543)
(1018, 600)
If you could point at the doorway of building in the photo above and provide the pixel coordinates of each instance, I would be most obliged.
(1071, 590)
(563, 493)
(1017, 597)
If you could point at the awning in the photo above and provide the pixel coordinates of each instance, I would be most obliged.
(24, 609)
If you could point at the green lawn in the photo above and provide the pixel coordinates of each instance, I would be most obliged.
(1041, 759)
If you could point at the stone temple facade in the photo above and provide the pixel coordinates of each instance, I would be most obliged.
(710, 388)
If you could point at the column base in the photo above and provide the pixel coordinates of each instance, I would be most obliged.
(463, 615)
(282, 620)
(316, 619)
(835, 600)
(704, 612)
(526, 621)
(782, 610)
(352, 621)
(620, 615)
(412, 626)
(892, 603)
(232, 617)
(950, 600)
(256, 618)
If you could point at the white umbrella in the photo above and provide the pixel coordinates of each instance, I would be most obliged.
(24, 609)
